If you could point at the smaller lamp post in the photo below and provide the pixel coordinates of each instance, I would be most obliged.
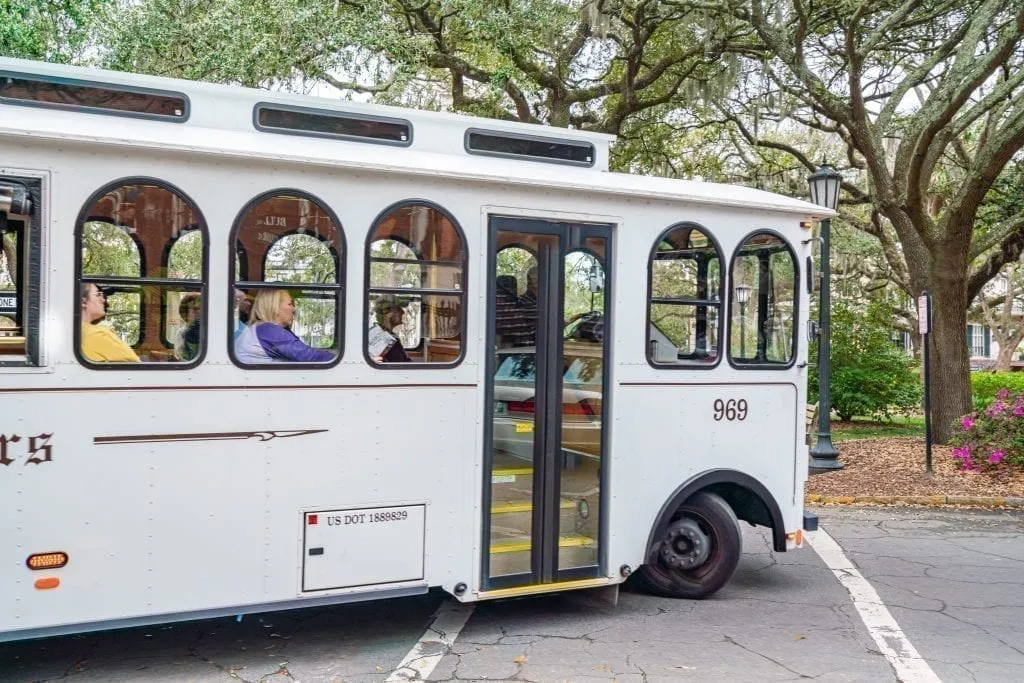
(742, 297)
(824, 184)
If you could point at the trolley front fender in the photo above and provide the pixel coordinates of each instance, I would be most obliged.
(747, 496)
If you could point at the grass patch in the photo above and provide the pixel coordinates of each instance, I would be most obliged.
(866, 428)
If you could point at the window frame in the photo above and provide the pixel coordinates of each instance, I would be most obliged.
(339, 288)
(795, 344)
(463, 293)
(529, 138)
(723, 278)
(88, 83)
(31, 276)
(331, 113)
(204, 282)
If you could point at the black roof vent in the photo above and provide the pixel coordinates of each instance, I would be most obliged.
(522, 146)
(88, 96)
(326, 123)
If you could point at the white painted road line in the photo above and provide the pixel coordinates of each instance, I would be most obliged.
(448, 621)
(891, 640)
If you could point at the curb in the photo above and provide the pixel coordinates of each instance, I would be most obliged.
(929, 501)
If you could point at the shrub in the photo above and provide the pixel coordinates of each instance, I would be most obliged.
(986, 385)
(994, 437)
(871, 376)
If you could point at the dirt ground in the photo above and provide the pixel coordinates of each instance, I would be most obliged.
(895, 467)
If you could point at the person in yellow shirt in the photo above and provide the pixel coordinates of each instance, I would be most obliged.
(99, 342)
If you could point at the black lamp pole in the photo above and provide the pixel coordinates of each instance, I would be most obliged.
(824, 184)
(743, 296)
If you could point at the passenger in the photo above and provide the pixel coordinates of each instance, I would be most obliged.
(244, 305)
(188, 338)
(100, 343)
(268, 337)
(390, 315)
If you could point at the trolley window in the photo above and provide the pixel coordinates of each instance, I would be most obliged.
(134, 276)
(287, 284)
(416, 284)
(19, 271)
(685, 307)
(763, 303)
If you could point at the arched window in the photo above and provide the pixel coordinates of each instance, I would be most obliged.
(287, 282)
(685, 308)
(763, 304)
(416, 283)
(131, 273)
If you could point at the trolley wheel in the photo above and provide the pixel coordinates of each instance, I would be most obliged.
(698, 552)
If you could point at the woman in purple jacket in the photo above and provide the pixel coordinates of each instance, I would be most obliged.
(268, 337)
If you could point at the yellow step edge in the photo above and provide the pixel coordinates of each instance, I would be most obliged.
(516, 545)
(544, 588)
(527, 506)
(511, 471)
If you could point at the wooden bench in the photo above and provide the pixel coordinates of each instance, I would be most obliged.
(811, 419)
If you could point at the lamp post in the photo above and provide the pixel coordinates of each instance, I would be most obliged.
(742, 297)
(824, 185)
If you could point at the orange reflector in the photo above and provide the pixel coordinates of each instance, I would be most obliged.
(796, 536)
(47, 583)
(46, 561)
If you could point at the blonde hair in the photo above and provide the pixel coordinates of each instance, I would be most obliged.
(266, 305)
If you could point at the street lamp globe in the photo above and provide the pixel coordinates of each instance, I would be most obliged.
(742, 293)
(824, 184)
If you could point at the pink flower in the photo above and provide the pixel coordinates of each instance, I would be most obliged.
(1018, 410)
(1003, 394)
(967, 422)
(996, 408)
(962, 452)
(997, 457)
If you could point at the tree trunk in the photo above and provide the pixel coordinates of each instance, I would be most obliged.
(950, 358)
(1005, 356)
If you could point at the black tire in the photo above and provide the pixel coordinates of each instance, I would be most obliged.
(718, 521)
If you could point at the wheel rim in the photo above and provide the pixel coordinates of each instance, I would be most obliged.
(713, 550)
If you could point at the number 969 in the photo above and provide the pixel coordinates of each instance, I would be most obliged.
(730, 410)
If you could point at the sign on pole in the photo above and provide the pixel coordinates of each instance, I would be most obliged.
(924, 326)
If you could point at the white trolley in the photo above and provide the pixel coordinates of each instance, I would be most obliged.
(508, 371)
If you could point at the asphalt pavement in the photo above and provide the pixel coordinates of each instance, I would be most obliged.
(950, 580)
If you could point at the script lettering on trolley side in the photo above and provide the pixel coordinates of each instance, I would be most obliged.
(731, 410)
(37, 450)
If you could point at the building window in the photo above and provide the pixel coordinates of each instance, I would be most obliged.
(415, 287)
(979, 341)
(20, 271)
(763, 303)
(685, 306)
(287, 283)
(133, 272)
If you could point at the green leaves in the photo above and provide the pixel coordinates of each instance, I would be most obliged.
(871, 376)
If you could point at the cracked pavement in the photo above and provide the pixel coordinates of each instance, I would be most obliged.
(951, 578)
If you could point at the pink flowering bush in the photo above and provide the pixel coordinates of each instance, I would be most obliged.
(993, 438)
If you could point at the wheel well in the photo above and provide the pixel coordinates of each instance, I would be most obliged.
(748, 498)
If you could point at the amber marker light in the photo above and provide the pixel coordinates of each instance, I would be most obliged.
(47, 583)
(46, 561)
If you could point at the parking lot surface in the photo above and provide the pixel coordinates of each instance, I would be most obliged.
(952, 581)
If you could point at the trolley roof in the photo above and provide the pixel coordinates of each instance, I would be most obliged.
(220, 123)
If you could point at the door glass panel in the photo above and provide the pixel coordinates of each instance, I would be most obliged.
(514, 451)
(581, 403)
